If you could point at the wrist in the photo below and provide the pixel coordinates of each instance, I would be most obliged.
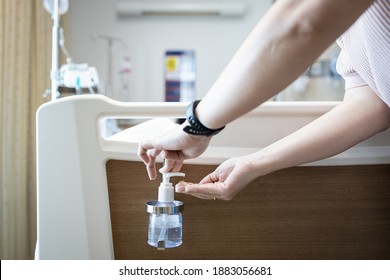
(194, 126)
(189, 135)
(261, 163)
(209, 115)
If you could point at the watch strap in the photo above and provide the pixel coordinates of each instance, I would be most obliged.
(195, 127)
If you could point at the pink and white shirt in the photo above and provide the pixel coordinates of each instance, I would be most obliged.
(365, 51)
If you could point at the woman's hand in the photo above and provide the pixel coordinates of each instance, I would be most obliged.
(174, 146)
(224, 183)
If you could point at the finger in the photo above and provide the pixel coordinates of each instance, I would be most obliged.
(151, 166)
(178, 165)
(210, 178)
(171, 166)
(168, 166)
(151, 169)
(143, 149)
(204, 191)
(142, 153)
(181, 188)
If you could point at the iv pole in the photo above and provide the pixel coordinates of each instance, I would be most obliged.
(55, 8)
(54, 51)
(110, 41)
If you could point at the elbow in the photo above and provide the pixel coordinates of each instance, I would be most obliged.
(383, 117)
(307, 27)
(378, 114)
(372, 114)
(312, 22)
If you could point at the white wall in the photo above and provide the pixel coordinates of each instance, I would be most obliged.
(214, 39)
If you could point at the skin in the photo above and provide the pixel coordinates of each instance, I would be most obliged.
(293, 33)
(326, 136)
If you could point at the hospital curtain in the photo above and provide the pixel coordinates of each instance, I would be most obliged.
(25, 54)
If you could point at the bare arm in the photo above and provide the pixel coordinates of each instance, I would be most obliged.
(279, 49)
(361, 115)
(282, 45)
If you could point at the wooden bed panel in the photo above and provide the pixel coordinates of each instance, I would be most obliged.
(298, 213)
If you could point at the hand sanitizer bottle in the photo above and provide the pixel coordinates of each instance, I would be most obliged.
(165, 219)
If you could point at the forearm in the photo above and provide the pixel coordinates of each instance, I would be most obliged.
(284, 43)
(359, 117)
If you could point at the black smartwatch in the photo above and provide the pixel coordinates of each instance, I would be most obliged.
(195, 127)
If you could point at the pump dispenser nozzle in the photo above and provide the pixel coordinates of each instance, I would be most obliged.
(167, 176)
(166, 191)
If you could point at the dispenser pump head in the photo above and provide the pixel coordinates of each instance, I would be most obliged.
(166, 190)
(167, 176)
